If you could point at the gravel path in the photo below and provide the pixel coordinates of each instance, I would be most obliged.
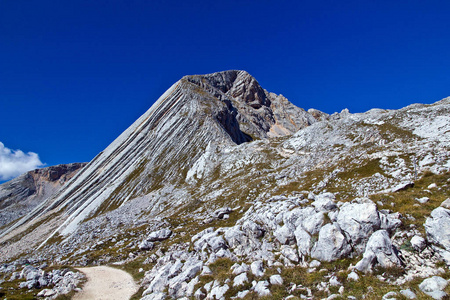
(106, 283)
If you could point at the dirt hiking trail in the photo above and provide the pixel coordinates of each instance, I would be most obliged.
(106, 283)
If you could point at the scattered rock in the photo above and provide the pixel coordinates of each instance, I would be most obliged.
(437, 227)
(159, 235)
(257, 268)
(262, 288)
(276, 280)
(353, 276)
(423, 200)
(418, 243)
(446, 203)
(408, 294)
(240, 279)
(331, 245)
(434, 287)
(379, 250)
(222, 212)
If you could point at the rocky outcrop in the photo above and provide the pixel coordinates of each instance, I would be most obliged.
(20, 195)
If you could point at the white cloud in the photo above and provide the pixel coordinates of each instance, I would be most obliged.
(15, 162)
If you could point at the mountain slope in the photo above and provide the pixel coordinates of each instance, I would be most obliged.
(224, 189)
(223, 109)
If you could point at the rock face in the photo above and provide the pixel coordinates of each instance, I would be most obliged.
(20, 195)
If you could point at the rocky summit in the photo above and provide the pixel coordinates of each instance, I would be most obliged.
(223, 190)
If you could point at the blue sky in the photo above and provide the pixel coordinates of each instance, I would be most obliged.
(75, 74)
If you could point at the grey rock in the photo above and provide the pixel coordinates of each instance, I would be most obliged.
(390, 296)
(379, 250)
(276, 280)
(437, 227)
(408, 294)
(221, 212)
(434, 287)
(331, 245)
(218, 292)
(284, 235)
(262, 288)
(418, 242)
(446, 203)
(146, 245)
(358, 221)
(159, 235)
(325, 202)
(240, 279)
(257, 268)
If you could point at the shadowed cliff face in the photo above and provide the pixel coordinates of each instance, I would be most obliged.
(260, 114)
(225, 109)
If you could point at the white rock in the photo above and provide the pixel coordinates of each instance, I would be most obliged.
(418, 242)
(262, 288)
(408, 294)
(159, 235)
(206, 271)
(276, 280)
(325, 202)
(432, 186)
(446, 203)
(289, 253)
(423, 200)
(314, 264)
(353, 276)
(218, 292)
(46, 293)
(303, 241)
(239, 269)
(155, 296)
(240, 279)
(331, 244)
(390, 296)
(284, 235)
(198, 295)
(379, 249)
(313, 223)
(257, 268)
(242, 294)
(433, 285)
(358, 221)
(334, 281)
(437, 227)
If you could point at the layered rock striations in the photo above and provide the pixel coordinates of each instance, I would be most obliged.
(223, 109)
